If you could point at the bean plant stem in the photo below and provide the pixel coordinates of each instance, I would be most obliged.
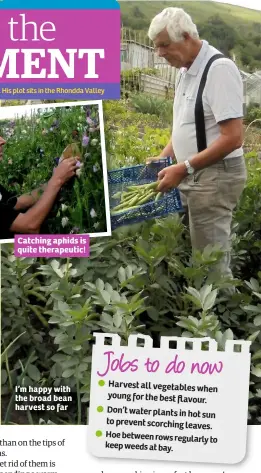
(19, 381)
(24, 296)
(67, 269)
(79, 405)
(8, 372)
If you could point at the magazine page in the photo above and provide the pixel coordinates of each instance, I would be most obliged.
(130, 236)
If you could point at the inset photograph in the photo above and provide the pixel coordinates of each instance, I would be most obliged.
(53, 173)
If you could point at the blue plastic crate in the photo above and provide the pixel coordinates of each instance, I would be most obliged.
(119, 179)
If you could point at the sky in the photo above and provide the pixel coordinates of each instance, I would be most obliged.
(254, 4)
(13, 112)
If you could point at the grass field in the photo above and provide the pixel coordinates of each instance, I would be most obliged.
(200, 11)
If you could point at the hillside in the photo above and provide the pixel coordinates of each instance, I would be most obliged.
(230, 28)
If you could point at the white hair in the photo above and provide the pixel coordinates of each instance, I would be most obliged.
(176, 21)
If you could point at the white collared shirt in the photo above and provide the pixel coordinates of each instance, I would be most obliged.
(222, 100)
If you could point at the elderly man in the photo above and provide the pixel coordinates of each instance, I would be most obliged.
(26, 214)
(206, 141)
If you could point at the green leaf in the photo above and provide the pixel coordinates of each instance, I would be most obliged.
(68, 373)
(153, 313)
(55, 319)
(115, 296)
(56, 265)
(256, 355)
(108, 288)
(4, 377)
(68, 323)
(59, 357)
(184, 324)
(228, 335)
(187, 334)
(77, 348)
(106, 296)
(253, 337)
(57, 296)
(90, 286)
(53, 373)
(128, 271)
(256, 372)
(194, 300)
(193, 321)
(257, 320)
(33, 372)
(107, 318)
(121, 274)
(85, 397)
(255, 284)
(194, 293)
(252, 308)
(63, 307)
(155, 286)
(61, 338)
(204, 292)
(122, 305)
(210, 300)
(69, 363)
(100, 284)
(117, 320)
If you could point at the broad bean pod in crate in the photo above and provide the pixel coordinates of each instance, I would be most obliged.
(133, 196)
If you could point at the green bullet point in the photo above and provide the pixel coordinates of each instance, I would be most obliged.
(101, 382)
(100, 409)
(98, 433)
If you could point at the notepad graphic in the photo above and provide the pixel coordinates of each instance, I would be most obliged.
(185, 401)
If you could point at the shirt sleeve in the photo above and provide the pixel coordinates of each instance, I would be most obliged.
(7, 196)
(224, 90)
(7, 216)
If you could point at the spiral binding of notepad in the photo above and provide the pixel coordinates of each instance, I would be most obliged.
(181, 343)
(186, 400)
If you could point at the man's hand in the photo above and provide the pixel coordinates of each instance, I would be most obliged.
(31, 221)
(65, 171)
(171, 177)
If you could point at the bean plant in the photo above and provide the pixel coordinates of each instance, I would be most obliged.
(143, 279)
